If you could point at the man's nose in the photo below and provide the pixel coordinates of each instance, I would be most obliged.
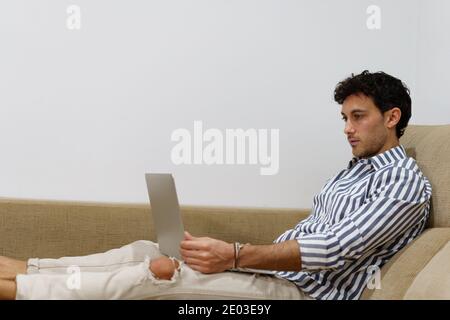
(348, 129)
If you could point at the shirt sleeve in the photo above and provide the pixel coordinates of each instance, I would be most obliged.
(396, 205)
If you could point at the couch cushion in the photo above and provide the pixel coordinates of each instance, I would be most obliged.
(429, 146)
(433, 282)
(399, 273)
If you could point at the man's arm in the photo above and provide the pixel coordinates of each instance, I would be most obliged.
(209, 255)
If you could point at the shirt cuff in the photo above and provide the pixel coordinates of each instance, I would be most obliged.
(320, 251)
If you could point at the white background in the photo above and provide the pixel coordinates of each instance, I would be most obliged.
(84, 113)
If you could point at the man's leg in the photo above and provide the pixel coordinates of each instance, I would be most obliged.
(127, 278)
(7, 285)
(139, 282)
(7, 289)
(12, 265)
(98, 276)
(121, 283)
(128, 255)
(97, 285)
(228, 285)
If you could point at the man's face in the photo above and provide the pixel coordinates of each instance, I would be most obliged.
(366, 127)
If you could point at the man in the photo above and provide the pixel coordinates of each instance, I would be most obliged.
(360, 219)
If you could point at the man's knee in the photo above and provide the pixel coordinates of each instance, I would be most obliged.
(163, 268)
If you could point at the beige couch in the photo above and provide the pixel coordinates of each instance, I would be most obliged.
(31, 228)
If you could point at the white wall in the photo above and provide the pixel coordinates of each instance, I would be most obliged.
(84, 113)
(433, 63)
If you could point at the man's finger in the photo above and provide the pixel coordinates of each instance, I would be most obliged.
(201, 255)
(188, 236)
(193, 245)
(189, 253)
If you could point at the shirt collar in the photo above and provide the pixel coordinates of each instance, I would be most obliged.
(381, 160)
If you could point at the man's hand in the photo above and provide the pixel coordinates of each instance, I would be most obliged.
(207, 255)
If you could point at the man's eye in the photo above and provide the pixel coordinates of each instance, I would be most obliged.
(344, 119)
(357, 116)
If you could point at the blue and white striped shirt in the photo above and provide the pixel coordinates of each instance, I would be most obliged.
(359, 220)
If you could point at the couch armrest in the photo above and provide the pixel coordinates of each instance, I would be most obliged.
(399, 273)
(433, 282)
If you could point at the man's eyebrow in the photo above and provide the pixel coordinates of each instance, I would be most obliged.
(355, 111)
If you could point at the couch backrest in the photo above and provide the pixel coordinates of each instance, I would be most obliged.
(430, 146)
(41, 228)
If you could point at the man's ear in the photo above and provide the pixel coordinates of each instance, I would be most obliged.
(392, 117)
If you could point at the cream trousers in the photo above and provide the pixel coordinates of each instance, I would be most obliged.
(124, 273)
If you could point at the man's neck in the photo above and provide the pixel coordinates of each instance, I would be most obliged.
(389, 145)
(393, 144)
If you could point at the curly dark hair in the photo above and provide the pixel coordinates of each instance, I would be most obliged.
(385, 91)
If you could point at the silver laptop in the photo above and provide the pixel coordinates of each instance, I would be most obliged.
(166, 213)
(167, 217)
